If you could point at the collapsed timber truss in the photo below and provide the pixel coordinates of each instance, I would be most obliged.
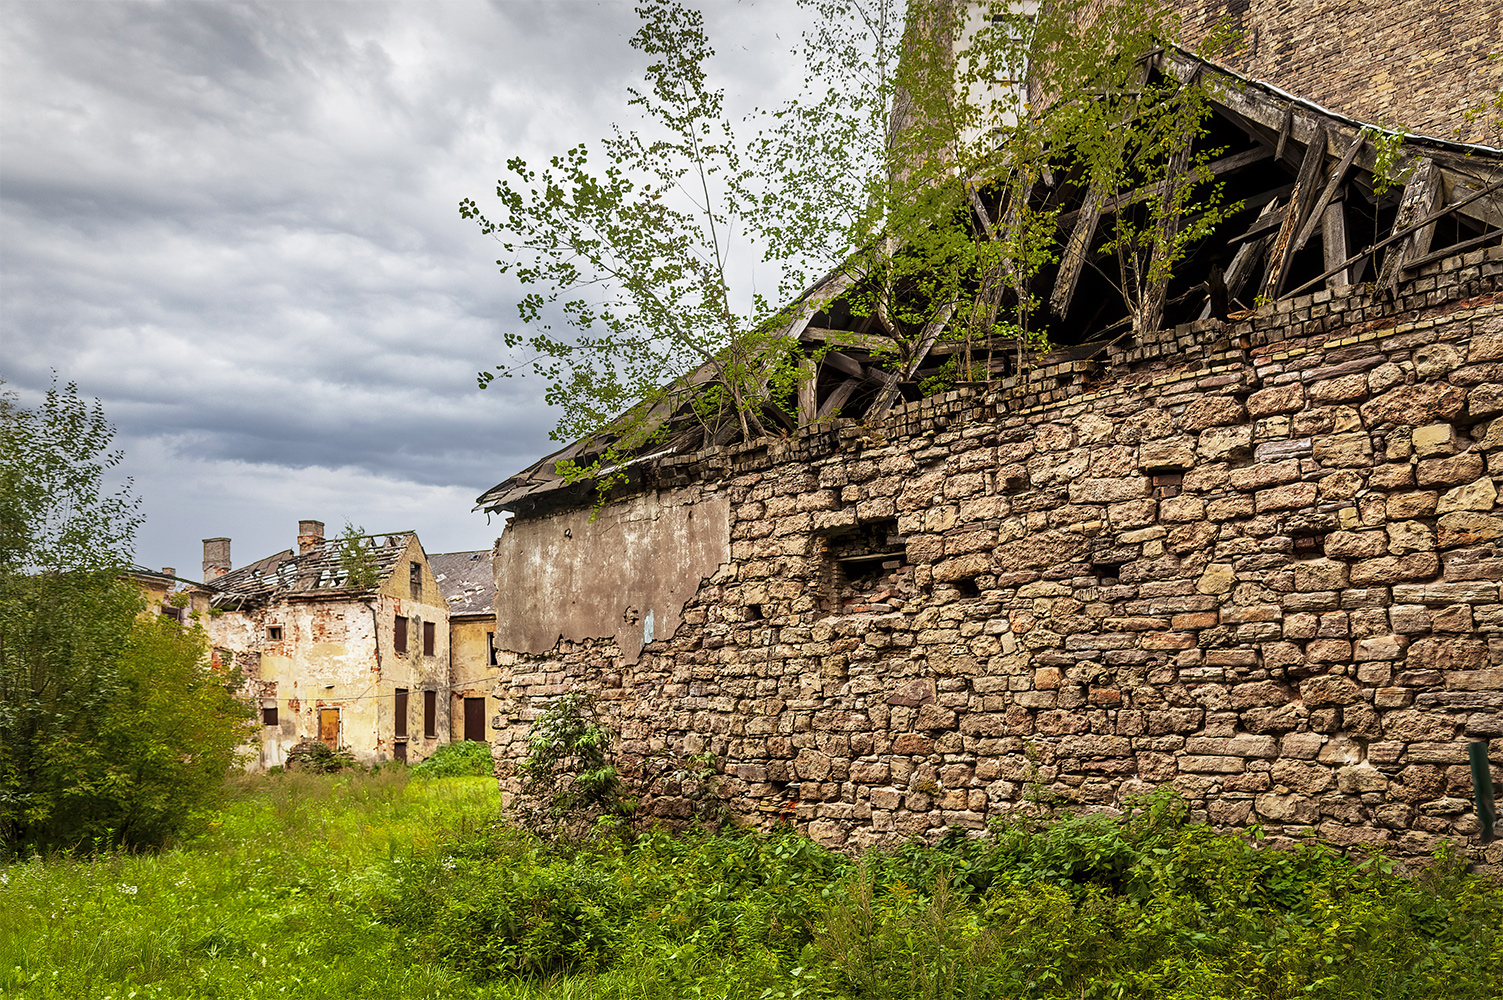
(1317, 210)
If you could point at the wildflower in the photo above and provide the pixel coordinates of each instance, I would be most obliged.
(127, 890)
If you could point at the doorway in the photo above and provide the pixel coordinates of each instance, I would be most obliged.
(474, 719)
(328, 727)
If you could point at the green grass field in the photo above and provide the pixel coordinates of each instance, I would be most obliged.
(382, 885)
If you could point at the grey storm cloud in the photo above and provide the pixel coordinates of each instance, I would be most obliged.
(236, 224)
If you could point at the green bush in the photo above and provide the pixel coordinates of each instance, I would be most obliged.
(464, 758)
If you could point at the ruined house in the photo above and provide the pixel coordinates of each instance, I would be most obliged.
(345, 644)
(170, 595)
(1255, 556)
(468, 583)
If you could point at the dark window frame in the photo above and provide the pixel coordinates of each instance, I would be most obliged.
(490, 649)
(430, 638)
(399, 634)
(399, 728)
(269, 715)
(273, 633)
(415, 579)
(430, 715)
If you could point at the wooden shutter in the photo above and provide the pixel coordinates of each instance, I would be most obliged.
(399, 639)
(430, 714)
(401, 713)
(429, 636)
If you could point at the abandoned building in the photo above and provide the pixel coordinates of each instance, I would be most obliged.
(1253, 552)
(468, 583)
(345, 641)
(170, 595)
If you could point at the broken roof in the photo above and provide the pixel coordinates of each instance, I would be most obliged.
(317, 572)
(1304, 176)
(466, 581)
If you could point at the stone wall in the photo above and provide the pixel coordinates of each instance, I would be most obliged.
(1259, 562)
(1416, 63)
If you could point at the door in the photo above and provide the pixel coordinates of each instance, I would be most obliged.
(328, 727)
(474, 719)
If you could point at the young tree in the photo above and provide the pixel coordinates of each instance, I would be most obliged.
(94, 744)
(922, 172)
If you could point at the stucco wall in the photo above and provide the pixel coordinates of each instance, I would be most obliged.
(1259, 563)
(626, 572)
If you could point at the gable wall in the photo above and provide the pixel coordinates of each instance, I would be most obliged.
(1260, 563)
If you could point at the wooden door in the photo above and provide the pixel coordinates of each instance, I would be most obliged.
(474, 719)
(328, 727)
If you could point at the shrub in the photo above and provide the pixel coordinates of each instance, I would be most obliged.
(315, 757)
(464, 758)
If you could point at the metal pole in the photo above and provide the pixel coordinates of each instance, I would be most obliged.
(1482, 788)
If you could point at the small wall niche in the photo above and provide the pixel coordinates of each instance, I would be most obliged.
(866, 569)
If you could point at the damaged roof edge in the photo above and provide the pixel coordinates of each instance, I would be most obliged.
(1259, 100)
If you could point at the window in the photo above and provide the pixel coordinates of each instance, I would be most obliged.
(415, 578)
(399, 639)
(399, 751)
(430, 714)
(269, 713)
(401, 713)
(490, 649)
(273, 633)
(167, 610)
(430, 634)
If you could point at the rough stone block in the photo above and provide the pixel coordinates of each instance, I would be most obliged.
(1213, 411)
(1461, 468)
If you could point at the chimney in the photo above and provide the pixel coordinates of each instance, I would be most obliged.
(310, 535)
(216, 558)
(169, 571)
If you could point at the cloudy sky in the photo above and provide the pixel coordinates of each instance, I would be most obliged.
(236, 224)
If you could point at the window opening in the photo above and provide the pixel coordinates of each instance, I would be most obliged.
(867, 570)
(430, 636)
(269, 713)
(168, 611)
(399, 635)
(490, 649)
(430, 714)
(274, 633)
(400, 729)
(399, 751)
(415, 579)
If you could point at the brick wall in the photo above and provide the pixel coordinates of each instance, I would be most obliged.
(1416, 63)
(1258, 562)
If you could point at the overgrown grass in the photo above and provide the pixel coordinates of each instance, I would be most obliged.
(371, 886)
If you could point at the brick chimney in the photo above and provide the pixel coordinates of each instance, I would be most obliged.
(310, 534)
(216, 558)
(169, 571)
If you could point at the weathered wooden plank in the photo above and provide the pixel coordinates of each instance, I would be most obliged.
(808, 385)
(847, 338)
(1285, 130)
(1074, 258)
(845, 363)
(1245, 261)
(838, 398)
(1317, 211)
(1282, 252)
(1420, 194)
(1454, 250)
(888, 394)
(1333, 243)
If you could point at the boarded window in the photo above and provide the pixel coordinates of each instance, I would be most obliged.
(274, 633)
(399, 636)
(474, 719)
(430, 714)
(415, 578)
(269, 713)
(399, 751)
(490, 648)
(430, 636)
(401, 713)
